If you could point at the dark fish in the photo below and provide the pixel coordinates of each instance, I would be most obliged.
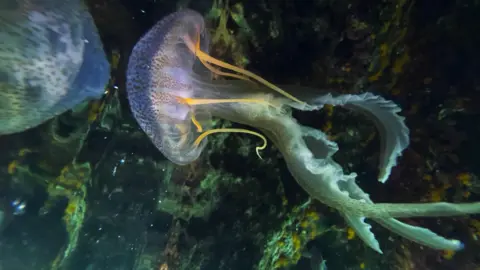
(51, 59)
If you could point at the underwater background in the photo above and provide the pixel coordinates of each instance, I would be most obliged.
(88, 190)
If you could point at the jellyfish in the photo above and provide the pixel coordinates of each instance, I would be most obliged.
(173, 98)
(51, 60)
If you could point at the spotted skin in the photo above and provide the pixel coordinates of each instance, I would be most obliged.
(51, 59)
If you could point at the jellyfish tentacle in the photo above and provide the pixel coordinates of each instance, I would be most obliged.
(195, 48)
(191, 102)
(207, 101)
(196, 123)
(212, 68)
(234, 130)
(195, 101)
(222, 73)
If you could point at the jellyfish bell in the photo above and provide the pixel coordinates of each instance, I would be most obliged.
(170, 89)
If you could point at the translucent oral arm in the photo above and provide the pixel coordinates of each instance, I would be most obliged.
(197, 101)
